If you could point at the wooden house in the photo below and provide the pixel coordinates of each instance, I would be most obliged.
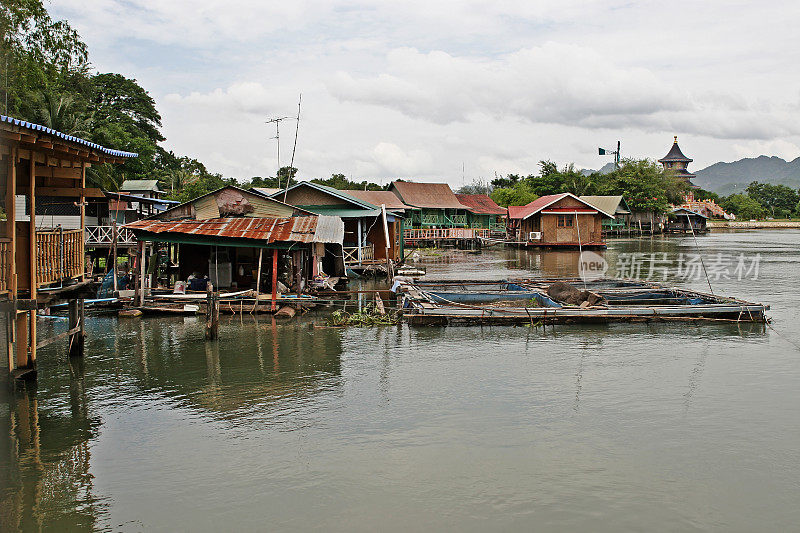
(559, 220)
(222, 235)
(683, 220)
(437, 205)
(41, 261)
(484, 213)
(372, 236)
(143, 188)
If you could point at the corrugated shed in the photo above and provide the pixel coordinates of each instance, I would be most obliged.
(139, 185)
(294, 229)
(49, 131)
(427, 195)
(233, 201)
(480, 204)
(376, 198)
(607, 204)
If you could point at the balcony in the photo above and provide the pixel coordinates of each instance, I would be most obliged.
(351, 254)
(103, 236)
(59, 255)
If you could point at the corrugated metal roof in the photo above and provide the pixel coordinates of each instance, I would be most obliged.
(376, 198)
(269, 191)
(427, 195)
(607, 204)
(341, 211)
(139, 185)
(480, 204)
(44, 129)
(294, 229)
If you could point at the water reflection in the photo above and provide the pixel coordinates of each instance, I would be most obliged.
(46, 459)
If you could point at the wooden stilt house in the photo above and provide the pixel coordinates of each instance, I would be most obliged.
(43, 263)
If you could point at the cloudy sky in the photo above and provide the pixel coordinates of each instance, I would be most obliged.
(421, 89)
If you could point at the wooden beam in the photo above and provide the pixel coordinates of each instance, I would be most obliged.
(72, 192)
(83, 218)
(11, 223)
(33, 282)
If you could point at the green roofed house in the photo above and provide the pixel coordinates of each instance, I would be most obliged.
(144, 188)
(365, 232)
(611, 204)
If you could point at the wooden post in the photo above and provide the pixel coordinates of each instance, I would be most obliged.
(11, 226)
(114, 252)
(297, 260)
(274, 279)
(83, 221)
(142, 246)
(34, 262)
(75, 315)
(358, 242)
(212, 313)
(258, 279)
(22, 340)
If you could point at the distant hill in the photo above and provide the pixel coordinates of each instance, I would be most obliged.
(726, 178)
(605, 169)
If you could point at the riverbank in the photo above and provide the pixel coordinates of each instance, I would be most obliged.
(753, 224)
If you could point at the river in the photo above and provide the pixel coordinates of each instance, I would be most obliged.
(288, 426)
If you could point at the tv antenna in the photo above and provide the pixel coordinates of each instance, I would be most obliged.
(277, 121)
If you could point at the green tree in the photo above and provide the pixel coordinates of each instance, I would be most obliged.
(743, 206)
(779, 200)
(340, 181)
(61, 112)
(476, 187)
(520, 194)
(645, 185)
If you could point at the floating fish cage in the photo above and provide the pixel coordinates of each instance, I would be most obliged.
(533, 301)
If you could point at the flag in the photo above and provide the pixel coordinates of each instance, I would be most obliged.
(601, 151)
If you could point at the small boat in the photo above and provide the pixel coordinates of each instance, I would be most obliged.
(532, 301)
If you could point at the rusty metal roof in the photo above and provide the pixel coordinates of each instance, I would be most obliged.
(427, 195)
(376, 198)
(295, 229)
(480, 204)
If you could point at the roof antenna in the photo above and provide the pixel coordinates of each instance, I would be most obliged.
(277, 121)
(294, 148)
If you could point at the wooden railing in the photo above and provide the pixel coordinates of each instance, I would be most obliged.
(5, 264)
(59, 255)
(444, 234)
(351, 254)
(457, 220)
(104, 236)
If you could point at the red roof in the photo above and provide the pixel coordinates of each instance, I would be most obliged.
(295, 229)
(480, 204)
(521, 212)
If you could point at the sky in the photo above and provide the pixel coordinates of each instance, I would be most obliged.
(454, 91)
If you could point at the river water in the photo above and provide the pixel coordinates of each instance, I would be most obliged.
(293, 427)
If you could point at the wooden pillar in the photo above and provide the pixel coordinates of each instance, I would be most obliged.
(83, 220)
(274, 279)
(75, 315)
(142, 246)
(297, 261)
(114, 252)
(22, 340)
(11, 226)
(33, 264)
(212, 313)
(358, 241)
(258, 278)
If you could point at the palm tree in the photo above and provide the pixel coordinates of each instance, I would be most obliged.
(60, 112)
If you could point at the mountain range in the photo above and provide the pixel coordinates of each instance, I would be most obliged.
(727, 178)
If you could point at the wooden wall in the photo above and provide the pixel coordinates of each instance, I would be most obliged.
(309, 196)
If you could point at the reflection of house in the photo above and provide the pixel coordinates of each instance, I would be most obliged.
(39, 264)
(365, 240)
(611, 204)
(678, 163)
(682, 220)
(484, 213)
(559, 220)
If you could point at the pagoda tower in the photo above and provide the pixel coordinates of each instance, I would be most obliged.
(678, 163)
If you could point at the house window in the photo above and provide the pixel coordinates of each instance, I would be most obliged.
(564, 221)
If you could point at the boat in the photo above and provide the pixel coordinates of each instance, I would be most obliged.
(534, 301)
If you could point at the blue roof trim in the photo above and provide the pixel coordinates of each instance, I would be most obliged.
(38, 127)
